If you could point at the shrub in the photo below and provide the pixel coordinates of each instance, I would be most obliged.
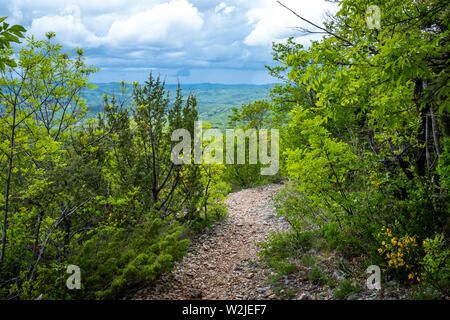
(278, 252)
(114, 260)
(436, 263)
(345, 289)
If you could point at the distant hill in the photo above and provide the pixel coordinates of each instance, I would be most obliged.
(214, 100)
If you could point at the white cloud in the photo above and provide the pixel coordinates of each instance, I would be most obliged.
(228, 10)
(67, 26)
(132, 35)
(15, 7)
(222, 7)
(272, 22)
(169, 23)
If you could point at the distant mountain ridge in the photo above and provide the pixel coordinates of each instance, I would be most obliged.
(214, 100)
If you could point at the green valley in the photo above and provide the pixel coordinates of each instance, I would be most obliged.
(214, 100)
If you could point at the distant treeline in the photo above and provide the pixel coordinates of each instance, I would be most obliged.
(214, 100)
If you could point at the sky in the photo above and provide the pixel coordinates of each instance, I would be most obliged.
(190, 41)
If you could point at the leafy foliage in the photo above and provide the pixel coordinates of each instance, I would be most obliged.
(8, 35)
(103, 193)
(363, 116)
(251, 116)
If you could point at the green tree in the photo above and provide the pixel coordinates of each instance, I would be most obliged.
(256, 115)
(365, 134)
(9, 34)
(40, 103)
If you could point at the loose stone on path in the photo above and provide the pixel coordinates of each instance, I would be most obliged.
(223, 263)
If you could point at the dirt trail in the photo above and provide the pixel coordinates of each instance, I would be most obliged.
(223, 263)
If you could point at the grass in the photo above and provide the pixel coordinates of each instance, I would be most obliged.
(346, 288)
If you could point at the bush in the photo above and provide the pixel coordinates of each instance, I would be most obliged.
(345, 289)
(278, 253)
(436, 263)
(114, 260)
(367, 147)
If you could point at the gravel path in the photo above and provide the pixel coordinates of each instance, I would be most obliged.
(223, 263)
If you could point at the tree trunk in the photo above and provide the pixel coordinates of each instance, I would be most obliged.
(436, 133)
(8, 187)
(420, 156)
(427, 138)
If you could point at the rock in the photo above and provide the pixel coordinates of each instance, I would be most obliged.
(338, 275)
(222, 262)
(353, 296)
(195, 294)
(303, 296)
(263, 289)
(392, 283)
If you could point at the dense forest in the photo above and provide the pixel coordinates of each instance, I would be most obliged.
(214, 101)
(363, 117)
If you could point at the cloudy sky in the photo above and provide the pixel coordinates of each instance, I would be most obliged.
(193, 41)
